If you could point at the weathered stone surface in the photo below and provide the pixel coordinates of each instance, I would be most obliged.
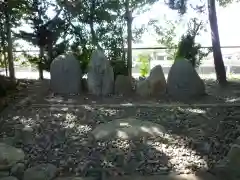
(84, 85)
(183, 81)
(9, 156)
(18, 170)
(65, 74)
(234, 155)
(229, 166)
(154, 85)
(237, 141)
(123, 85)
(4, 174)
(129, 128)
(143, 88)
(40, 172)
(157, 81)
(6, 84)
(9, 178)
(24, 135)
(8, 140)
(3, 91)
(100, 75)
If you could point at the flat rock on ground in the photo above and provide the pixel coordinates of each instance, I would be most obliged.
(128, 128)
(203, 176)
(9, 156)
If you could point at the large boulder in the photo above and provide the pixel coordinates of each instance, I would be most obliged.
(157, 81)
(228, 167)
(100, 75)
(40, 172)
(9, 156)
(154, 84)
(143, 88)
(123, 85)
(184, 82)
(6, 84)
(65, 74)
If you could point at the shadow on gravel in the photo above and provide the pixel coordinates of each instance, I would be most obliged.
(63, 137)
(196, 139)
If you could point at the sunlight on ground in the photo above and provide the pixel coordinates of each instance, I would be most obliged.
(192, 110)
(232, 100)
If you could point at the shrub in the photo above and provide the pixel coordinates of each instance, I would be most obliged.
(144, 64)
(119, 67)
(188, 48)
(83, 55)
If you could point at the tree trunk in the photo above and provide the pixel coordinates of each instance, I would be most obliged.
(40, 68)
(217, 53)
(9, 46)
(129, 37)
(91, 24)
(3, 51)
(5, 60)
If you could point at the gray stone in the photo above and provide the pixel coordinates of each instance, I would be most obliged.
(84, 85)
(40, 172)
(100, 75)
(228, 168)
(123, 85)
(129, 128)
(18, 170)
(221, 169)
(237, 141)
(143, 88)
(183, 81)
(234, 160)
(4, 174)
(9, 156)
(9, 178)
(8, 140)
(24, 135)
(154, 84)
(157, 81)
(65, 74)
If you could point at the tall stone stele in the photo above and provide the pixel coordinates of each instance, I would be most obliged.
(183, 82)
(154, 85)
(65, 74)
(100, 75)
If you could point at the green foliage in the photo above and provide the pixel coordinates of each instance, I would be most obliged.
(119, 67)
(188, 48)
(180, 5)
(83, 55)
(167, 36)
(144, 64)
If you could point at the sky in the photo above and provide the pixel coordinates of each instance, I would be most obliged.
(229, 29)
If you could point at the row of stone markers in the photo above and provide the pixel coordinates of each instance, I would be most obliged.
(66, 78)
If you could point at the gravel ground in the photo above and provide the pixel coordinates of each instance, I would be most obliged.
(196, 138)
